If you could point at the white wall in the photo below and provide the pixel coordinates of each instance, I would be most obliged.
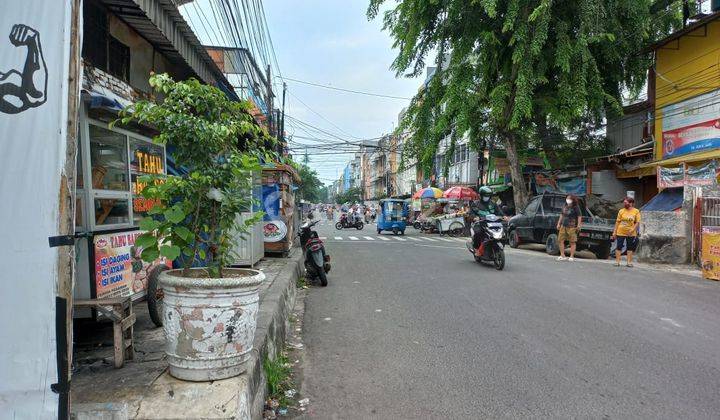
(31, 163)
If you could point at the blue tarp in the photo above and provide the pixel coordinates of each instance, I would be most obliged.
(669, 199)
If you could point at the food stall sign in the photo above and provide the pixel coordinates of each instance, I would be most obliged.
(119, 270)
(275, 231)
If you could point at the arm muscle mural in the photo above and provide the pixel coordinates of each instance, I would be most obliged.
(21, 90)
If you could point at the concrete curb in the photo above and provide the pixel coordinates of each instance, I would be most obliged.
(273, 321)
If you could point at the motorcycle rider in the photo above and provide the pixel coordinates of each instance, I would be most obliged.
(482, 208)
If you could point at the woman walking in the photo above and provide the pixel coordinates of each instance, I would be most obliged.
(568, 226)
(627, 230)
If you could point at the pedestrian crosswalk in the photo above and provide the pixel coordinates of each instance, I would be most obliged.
(392, 238)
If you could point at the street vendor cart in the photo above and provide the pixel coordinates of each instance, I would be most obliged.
(450, 224)
(109, 208)
(278, 202)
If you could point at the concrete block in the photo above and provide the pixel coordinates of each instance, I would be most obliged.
(99, 411)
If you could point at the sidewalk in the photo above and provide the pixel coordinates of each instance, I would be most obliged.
(143, 389)
(686, 269)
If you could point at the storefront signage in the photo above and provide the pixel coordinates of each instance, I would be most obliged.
(149, 163)
(275, 231)
(711, 252)
(705, 174)
(692, 125)
(119, 270)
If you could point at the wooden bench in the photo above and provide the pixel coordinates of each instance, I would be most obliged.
(119, 310)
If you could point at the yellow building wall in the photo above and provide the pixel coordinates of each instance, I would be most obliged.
(687, 67)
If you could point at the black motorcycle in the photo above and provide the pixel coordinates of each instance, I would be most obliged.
(487, 241)
(347, 222)
(317, 261)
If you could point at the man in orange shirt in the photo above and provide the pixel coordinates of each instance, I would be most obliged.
(627, 230)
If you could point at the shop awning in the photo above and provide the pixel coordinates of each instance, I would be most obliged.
(637, 172)
(669, 199)
(499, 188)
(692, 157)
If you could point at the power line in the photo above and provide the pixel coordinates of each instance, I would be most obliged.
(358, 92)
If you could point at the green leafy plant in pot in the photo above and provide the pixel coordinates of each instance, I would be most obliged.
(209, 312)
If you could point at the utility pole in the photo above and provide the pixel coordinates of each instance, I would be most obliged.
(269, 101)
(282, 121)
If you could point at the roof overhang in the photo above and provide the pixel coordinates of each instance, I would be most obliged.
(684, 31)
(160, 22)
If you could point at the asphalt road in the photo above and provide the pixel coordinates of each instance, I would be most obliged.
(417, 329)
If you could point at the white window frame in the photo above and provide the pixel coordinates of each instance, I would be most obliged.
(89, 194)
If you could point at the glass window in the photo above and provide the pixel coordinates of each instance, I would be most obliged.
(108, 159)
(532, 207)
(111, 211)
(145, 158)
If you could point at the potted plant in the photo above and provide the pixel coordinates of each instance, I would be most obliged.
(210, 310)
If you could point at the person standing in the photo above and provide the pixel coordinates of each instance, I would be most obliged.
(627, 231)
(568, 226)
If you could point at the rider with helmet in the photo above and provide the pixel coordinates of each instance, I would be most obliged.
(482, 208)
(485, 205)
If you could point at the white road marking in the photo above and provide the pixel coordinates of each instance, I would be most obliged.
(369, 238)
(397, 238)
(338, 238)
(445, 239)
(382, 238)
(414, 239)
(378, 310)
(672, 322)
(327, 319)
(353, 238)
(323, 238)
(429, 239)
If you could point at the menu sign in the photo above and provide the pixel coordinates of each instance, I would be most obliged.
(119, 270)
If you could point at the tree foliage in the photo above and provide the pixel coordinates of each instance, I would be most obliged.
(353, 195)
(506, 68)
(197, 214)
(311, 189)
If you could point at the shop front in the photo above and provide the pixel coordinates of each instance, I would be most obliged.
(109, 207)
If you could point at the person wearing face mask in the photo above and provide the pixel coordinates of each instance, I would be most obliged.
(568, 226)
(485, 205)
(627, 230)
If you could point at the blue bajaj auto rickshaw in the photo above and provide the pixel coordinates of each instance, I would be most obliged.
(392, 216)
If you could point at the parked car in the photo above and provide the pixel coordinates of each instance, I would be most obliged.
(537, 223)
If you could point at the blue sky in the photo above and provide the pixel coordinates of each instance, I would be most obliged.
(331, 42)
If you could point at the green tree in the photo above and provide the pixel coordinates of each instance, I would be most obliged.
(507, 70)
(353, 195)
(311, 189)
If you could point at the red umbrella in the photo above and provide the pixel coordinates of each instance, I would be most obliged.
(461, 193)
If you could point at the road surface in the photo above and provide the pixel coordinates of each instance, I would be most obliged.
(412, 327)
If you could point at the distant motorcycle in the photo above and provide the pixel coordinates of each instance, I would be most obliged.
(346, 223)
(317, 261)
(489, 233)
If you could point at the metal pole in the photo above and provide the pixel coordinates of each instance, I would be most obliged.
(269, 101)
(282, 122)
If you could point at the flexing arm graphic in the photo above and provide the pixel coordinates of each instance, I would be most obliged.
(20, 91)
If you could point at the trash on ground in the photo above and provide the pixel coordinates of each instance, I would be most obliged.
(304, 402)
(290, 393)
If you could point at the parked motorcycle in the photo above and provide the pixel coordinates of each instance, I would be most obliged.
(345, 223)
(491, 239)
(317, 261)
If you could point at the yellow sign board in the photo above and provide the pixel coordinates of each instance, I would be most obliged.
(711, 252)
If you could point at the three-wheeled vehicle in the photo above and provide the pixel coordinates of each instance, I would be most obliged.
(393, 213)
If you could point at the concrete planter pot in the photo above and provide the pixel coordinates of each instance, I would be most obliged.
(209, 323)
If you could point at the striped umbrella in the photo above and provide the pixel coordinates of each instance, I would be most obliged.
(461, 193)
(429, 192)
